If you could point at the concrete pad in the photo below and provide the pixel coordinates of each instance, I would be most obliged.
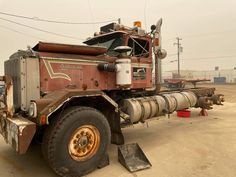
(176, 147)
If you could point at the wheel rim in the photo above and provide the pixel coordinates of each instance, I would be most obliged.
(84, 142)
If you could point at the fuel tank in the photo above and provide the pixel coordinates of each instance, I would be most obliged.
(143, 108)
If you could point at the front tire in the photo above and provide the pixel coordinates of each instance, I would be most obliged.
(76, 142)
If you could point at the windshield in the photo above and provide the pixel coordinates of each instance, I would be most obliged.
(109, 41)
(111, 45)
(106, 44)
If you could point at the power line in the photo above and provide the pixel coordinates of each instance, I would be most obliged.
(173, 54)
(200, 35)
(91, 13)
(200, 59)
(145, 14)
(169, 39)
(206, 58)
(19, 32)
(207, 34)
(42, 30)
(55, 21)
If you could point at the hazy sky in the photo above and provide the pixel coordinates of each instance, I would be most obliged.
(207, 27)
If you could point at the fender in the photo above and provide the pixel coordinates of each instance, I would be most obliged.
(55, 100)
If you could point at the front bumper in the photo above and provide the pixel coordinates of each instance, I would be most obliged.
(18, 132)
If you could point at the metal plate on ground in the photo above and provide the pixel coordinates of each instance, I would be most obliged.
(132, 157)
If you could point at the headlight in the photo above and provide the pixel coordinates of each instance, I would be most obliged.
(33, 109)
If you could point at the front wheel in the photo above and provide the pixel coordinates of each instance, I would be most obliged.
(75, 143)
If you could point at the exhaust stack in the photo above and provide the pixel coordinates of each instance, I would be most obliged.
(158, 52)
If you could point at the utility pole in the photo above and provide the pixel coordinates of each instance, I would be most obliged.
(179, 49)
(119, 20)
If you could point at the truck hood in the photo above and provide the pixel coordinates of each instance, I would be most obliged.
(69, 49)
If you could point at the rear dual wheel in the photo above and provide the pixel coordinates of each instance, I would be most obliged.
(76, 142)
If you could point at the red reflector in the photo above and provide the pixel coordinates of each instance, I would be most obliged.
(156, 42)
(43, 119)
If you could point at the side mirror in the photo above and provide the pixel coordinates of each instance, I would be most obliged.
(153, 27)
(162, 54)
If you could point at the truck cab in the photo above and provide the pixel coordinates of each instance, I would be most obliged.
(77, 96)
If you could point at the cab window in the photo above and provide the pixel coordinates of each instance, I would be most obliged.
(140, 47)
(109, 41)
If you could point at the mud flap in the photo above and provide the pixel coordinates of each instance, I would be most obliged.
(18, 132)
(132, 157)
(104, 161)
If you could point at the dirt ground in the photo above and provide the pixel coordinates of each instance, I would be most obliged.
(176, 147)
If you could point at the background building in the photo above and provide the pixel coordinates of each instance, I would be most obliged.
(216, 76)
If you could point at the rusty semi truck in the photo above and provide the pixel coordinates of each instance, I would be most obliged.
(78, 96)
